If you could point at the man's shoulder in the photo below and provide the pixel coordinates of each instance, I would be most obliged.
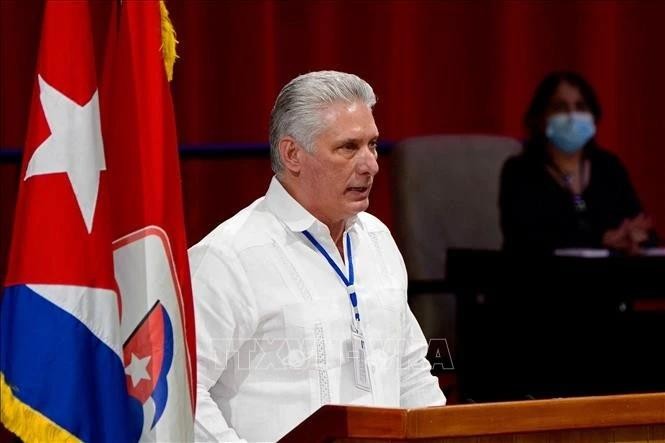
(249, 227)
(371, 223)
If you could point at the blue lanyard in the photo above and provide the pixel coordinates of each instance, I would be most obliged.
(350, 288)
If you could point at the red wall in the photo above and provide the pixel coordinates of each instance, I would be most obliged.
(436, 66)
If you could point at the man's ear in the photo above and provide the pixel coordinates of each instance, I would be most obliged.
(291, 154)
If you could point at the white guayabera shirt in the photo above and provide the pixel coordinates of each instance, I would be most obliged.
(273, 322)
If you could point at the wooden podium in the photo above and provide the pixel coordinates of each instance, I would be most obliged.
(620, 418)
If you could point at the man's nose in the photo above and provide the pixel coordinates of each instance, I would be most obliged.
(368, 163)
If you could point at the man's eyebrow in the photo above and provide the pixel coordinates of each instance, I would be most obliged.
(356, 140)
(347, 141)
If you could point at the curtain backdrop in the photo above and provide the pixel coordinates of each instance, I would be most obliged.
(436, 66)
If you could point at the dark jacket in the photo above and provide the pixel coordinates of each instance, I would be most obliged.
(539, 215)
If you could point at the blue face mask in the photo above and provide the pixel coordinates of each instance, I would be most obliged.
(570, 132)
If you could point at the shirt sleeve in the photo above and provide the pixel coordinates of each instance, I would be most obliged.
(418, 387)
(225, 315)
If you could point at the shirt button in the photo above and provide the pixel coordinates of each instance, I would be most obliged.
(296, 359)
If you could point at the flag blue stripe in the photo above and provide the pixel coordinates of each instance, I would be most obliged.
(161, 392)
(61, 369)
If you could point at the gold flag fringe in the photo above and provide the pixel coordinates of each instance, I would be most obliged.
(168, 41)
(28, 424)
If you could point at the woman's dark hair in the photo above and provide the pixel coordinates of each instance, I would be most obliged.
(541, 98)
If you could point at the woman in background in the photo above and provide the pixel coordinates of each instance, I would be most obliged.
(563, 190)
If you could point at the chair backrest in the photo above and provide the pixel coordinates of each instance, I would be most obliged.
(446, 191)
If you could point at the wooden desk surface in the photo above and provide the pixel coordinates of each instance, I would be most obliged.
(627, 418)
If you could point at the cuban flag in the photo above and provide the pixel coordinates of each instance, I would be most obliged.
(96, 320)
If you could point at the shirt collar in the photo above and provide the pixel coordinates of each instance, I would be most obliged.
(293, 214)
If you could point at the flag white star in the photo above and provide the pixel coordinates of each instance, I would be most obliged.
(136, 369)
(75, 146)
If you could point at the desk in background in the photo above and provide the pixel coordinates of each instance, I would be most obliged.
(557, 326)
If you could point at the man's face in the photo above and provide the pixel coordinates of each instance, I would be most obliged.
(337, 177)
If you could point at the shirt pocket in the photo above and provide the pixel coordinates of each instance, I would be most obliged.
(298, 350)
(324, 327)
(385, 333)
(392, 298)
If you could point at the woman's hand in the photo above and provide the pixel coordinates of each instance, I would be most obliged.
(639, 227)
(629, 235)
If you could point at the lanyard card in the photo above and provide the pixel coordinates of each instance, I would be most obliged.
(361, 371)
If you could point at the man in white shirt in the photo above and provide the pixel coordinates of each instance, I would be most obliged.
(300, 298)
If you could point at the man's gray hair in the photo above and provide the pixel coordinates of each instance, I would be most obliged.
(299, 105)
